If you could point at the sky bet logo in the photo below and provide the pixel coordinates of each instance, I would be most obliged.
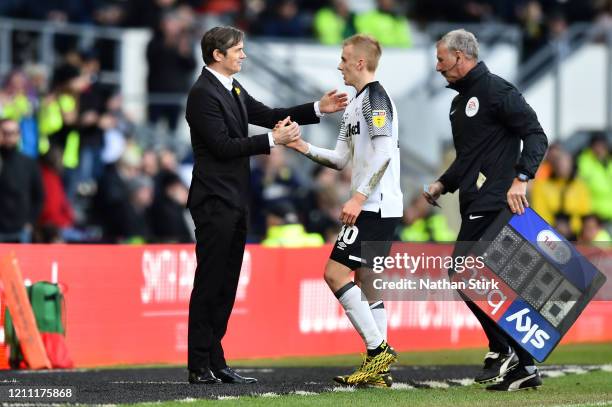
(530, 329)
(353, 129)
(536, 336)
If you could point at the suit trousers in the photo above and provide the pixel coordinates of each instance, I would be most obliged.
(472, 230)
(221, 233)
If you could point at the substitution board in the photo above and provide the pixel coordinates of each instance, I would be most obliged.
(544, 282)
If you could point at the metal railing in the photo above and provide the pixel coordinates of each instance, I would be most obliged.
(551, 57)
(487, 33)
(47, 32)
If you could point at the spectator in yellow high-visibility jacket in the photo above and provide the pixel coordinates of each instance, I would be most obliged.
(562, 193)
(334, 23)
(595, 168)
(385, 24)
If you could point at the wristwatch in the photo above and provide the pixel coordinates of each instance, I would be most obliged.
(522, 177)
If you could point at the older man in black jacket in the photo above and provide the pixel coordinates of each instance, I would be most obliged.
(489, 118)
(219, 110)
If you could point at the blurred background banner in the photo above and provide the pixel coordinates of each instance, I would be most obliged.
(128, 305)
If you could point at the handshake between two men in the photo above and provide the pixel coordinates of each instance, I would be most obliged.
(288, 133)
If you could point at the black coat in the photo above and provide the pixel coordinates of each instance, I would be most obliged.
(21, 191)
(220, 142)
(489, 118)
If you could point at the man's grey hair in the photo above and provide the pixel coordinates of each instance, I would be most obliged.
(461, 40)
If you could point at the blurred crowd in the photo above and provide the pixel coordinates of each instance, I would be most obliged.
(574, 192)
(327, 20)
(74, 166)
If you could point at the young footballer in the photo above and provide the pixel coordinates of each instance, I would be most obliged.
(368, 139)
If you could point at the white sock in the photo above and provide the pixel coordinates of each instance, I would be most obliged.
(380, 316)
(358, 312)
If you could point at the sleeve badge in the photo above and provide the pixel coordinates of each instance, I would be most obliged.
(379, 118)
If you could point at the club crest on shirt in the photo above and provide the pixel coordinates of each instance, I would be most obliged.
(237, 89)
(471, 108)
(379, 118)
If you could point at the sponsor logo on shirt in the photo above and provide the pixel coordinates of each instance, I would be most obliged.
(353, 129)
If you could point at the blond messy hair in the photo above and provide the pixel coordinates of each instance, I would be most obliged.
(369, 46)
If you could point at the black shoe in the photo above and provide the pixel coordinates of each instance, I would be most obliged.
(496, 365)
(518, 379)
(228, 375)
(202, 376)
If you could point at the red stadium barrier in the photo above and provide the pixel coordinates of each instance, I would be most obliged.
(128, 305)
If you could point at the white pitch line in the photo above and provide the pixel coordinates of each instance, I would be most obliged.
(305, 393)
(255, 370)
(435, 384)
(347, 389)
(401, 386)
(51, 371)
(41, 404)
(463, 382)
(269, 394)
(552, 373)
(227, 398)
(575, 370)
(188, 400)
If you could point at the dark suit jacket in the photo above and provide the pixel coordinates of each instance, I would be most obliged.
(220, 142)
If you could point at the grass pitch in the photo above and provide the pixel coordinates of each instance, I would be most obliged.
(575, 375)
(574, 387)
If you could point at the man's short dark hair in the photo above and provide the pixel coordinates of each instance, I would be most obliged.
(221, 38)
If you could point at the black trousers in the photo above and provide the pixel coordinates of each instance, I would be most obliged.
(220, 238)
(499, 341)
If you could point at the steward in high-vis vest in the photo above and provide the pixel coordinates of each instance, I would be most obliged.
(57, 119)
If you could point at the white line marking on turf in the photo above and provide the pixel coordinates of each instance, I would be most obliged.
(227, 398)
(435, 384)
(575, 370)
(463, 382)
(44, 404)
(347, 389)
(606, 368)
(188, 400)
(269, 394)
(305, 393)
(50, 371)
(254, 370)
(552, 373)
(402, 386)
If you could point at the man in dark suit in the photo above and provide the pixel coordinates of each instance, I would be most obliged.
(218, 112)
